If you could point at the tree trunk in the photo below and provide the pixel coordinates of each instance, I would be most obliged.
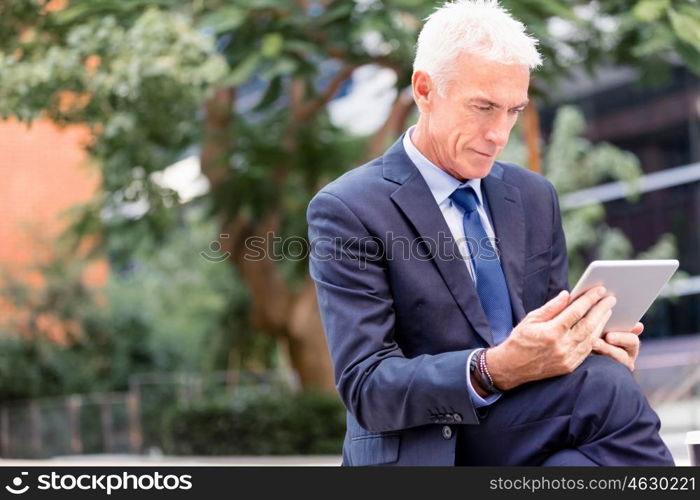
(532, 136)
(276, 310)
(307, 342)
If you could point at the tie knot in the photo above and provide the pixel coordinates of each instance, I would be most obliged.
(465, 197)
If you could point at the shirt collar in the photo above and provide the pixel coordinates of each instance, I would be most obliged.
(440, 183)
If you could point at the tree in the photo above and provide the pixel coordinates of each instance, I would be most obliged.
(152, 78)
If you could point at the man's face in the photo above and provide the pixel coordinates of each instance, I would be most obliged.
(464, 131)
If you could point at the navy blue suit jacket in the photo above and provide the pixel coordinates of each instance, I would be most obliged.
(400, 311)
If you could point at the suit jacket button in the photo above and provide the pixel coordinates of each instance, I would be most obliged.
(446, 432)
(457, 417)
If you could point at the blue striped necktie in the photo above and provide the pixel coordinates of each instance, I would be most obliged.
(490, 281)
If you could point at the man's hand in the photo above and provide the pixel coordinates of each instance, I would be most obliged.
(552, 340)
(620, 346)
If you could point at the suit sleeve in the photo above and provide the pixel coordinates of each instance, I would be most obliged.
(381, 388)
(559, 274)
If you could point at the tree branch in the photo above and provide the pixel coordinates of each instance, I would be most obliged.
(297, 89)
(218, 135)
(394, 124)
(308, 109)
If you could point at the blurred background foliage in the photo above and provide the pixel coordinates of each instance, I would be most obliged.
(155, 81)
(257, 424)
(571, 163)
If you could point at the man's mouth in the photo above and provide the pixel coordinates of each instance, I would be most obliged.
(482, 154)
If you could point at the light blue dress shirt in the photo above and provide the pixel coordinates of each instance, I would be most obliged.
(442, 185)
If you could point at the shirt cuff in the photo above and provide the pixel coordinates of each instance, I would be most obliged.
(477, 400)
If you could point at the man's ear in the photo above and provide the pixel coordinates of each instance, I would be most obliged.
(423, 90)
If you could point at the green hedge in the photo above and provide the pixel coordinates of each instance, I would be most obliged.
(261, 424)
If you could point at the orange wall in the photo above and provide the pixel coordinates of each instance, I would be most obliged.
(43, 171)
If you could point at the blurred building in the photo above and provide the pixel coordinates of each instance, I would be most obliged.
(661, 125)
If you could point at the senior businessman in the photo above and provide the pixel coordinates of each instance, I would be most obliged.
(441, 276)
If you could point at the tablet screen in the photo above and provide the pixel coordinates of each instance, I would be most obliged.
(634, 283)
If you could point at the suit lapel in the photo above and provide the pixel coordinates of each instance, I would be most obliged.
(508, 217)
(414, 199)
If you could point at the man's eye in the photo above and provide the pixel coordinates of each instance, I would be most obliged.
(484, 108)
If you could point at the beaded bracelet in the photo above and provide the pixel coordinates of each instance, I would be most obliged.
(485, 375)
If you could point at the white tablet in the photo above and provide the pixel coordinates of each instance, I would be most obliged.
(634, 283)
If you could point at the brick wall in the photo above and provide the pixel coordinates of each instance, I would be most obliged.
(43, 172)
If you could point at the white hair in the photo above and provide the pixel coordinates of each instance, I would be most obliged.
(480, 27)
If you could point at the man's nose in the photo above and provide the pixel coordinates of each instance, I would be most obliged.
(498, 132)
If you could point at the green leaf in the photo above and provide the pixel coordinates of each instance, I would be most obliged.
(71, 14)
(263, 4)
(686, 25)
(406, 4)
(281, 66)
(689, 55)
(243, 71)
(79, 10)
(223, 19)
(558, 9)
(660, 39)
(336, 14)
(272, 93)
(272, 45)
(648, 11)
(300, 47)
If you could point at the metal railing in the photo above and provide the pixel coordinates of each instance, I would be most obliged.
(116, 422)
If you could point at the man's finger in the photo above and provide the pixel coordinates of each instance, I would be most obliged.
(627, 340)
(616, 353)
(577, 309)
(593, 322)
(552, 308)
(597, 330)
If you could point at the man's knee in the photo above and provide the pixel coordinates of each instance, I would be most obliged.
(606, 385)
(598, 386)
(612, 409)
(601, 373)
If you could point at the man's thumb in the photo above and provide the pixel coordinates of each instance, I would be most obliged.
(552, 308)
